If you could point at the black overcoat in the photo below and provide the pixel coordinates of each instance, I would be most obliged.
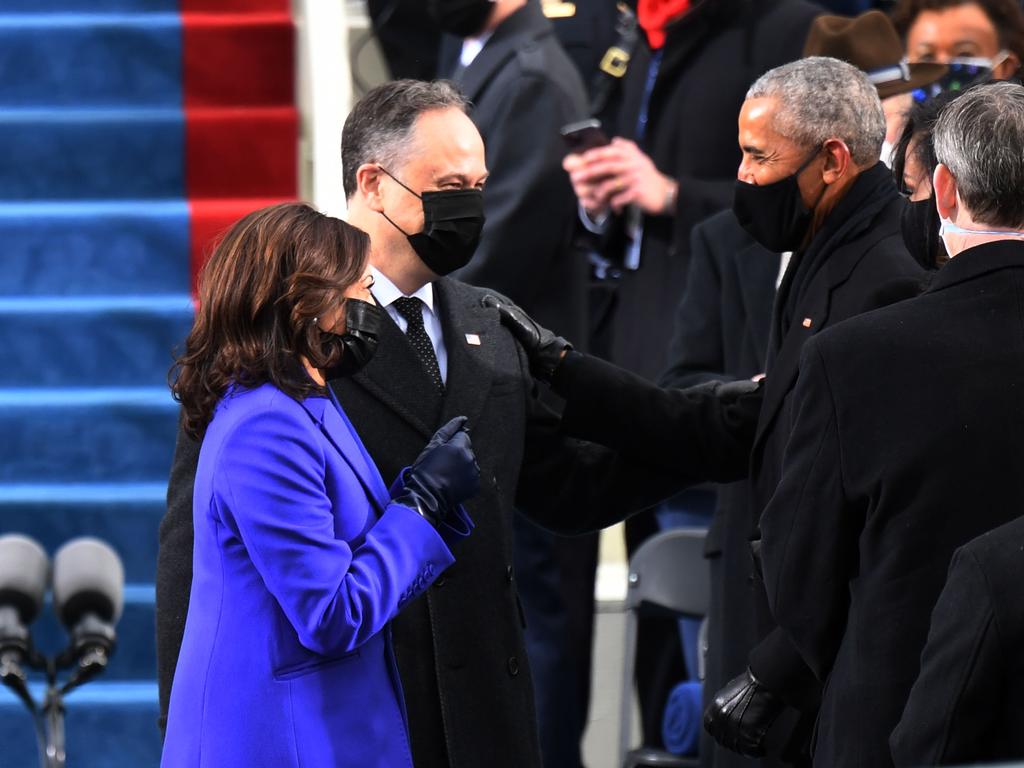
(905, 445)
(711, 57)
(460, 647)
(965, 706)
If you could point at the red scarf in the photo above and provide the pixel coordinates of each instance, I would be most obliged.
(654, 15)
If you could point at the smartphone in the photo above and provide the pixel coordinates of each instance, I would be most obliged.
(584, 135)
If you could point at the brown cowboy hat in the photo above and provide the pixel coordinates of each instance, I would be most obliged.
(870, 42)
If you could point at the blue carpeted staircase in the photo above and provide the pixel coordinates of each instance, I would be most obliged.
(94, 293)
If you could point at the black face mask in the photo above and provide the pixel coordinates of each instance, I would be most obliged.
(919, 224)
(774, 214)
(462, 18)
(452, 223)
(359, 341)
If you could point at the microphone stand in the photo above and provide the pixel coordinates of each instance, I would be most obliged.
(92, 642)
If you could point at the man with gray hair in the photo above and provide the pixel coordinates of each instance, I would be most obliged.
(809, 182)
(905, 446)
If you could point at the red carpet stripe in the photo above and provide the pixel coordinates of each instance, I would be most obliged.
(241, 122)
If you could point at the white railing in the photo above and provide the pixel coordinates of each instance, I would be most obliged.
(324, 91)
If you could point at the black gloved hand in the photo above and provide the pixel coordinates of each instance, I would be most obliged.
(741, 714)
(544, 348)
(443, 476)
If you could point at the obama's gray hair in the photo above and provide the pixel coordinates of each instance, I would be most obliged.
(821, 99)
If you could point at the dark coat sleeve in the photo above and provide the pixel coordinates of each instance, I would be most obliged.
(572, 486)
(809, 529)
(696, 352)
(174, 566)
(698, 431)
(953, 705)
(528, 199)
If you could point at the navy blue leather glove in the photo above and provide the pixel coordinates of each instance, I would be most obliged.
(444, 475)
(544, 349)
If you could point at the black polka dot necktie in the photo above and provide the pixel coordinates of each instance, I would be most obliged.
(411, 309)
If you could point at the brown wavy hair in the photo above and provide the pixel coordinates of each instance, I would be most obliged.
(274, 273)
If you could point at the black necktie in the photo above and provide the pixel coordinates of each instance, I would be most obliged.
(411, 309)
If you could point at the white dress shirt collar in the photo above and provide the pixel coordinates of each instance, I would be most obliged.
(385, 291)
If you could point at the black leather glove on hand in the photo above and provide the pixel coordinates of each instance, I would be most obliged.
(544, 348)
(741, 714)
(443, 476)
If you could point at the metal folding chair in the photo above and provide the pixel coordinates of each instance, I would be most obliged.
(668, 575)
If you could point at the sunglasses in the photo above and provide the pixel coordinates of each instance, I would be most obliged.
(963, 73)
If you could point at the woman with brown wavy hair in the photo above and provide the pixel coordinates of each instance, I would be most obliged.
(302, 555)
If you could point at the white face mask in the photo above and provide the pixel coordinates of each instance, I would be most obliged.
(947, 227)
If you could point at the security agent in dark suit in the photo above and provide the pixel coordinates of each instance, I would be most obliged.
(811, 132)
(523, 88)
(965, 707)
(883, 477)
(674, 160)
(414, 168)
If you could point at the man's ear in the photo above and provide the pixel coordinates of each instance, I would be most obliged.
(944, 185)
(368, 178)
(837, 161)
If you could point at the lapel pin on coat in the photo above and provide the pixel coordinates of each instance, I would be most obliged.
(473, 339)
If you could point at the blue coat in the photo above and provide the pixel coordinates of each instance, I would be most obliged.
(300, 563)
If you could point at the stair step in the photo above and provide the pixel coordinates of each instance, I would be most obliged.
(109, 725)
(113, 154)
(134, 658)
(102, 154)
(89, 248)
(46, 7)
(126, 515)
(86, 435)
(91, 341)
(91, 60)
(239, 59)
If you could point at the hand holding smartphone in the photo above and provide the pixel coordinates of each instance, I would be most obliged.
(584, 135)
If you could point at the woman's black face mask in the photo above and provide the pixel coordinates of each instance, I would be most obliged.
(359, 340)
(774, 214)
(919, 225)
(453, 220)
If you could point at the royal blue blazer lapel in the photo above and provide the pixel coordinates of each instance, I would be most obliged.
(342, 435)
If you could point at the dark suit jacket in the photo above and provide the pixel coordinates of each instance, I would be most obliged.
(524, 88)
(904, 446)
(722, 321)
(460, 648)
(966, 706)
(710, 58)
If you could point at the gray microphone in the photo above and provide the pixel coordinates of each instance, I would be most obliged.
(24, 575)
(88, 597)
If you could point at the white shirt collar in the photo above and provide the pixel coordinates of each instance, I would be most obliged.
(385, 291)
(471, 47)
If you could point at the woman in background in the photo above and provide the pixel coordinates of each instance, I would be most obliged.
(302, 556)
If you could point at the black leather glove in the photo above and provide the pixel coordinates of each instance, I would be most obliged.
(741, 714)
(544, 348)
(443, 476)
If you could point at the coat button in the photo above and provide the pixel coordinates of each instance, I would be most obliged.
(508, 573)
(513, 666)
